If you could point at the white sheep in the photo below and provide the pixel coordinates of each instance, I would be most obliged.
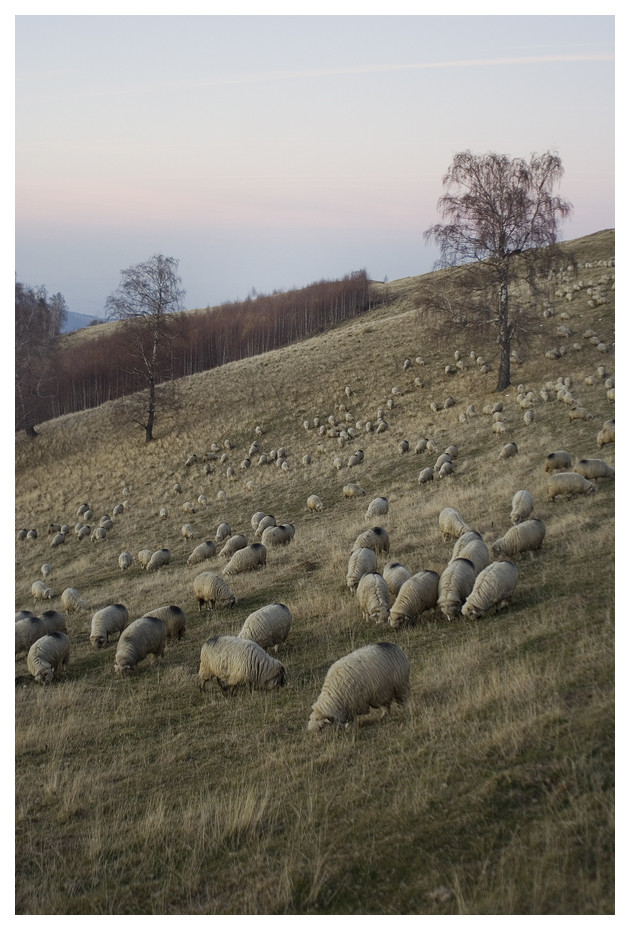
(29, 628)
(522, 506)
(188, 531)
(267, 520)
(124, 561)
(268, 626)
(200, 553)
(592, 469)
(314, 504)
(250, 559)
(509, 450)
(45, 570)
(361, 562)
(98, 534)
(173, 617)
(569, 483)
(211, 589)
(580, 413)
(71, 601)
(163, 514)
(233, 544)
(558, 461)
(376, 538)
(58, 540)
(158, 559)
(456, 582)
(372, 676)
(224, 531)
(48, 656)
(395, 576)
(373, 597)
(425, 475)
(352, 490)
(143, 637)
(524, 537)
(256, 518)
(280, 535)
(471, 546)
(144, 557)
(234, 661)
(107, 621)
(418, 594)
(606, 434)
(377, 508)
(40, 591)
(494, 587)
(451, 523)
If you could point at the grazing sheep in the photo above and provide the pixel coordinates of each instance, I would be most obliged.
(456, 582)
(188, 531)
(395, 576)
(99, 534)
(48, 656)
(224, 531)
(280, 535)
(256, 518)
(508, 450)
(580, 413)
(46, 569)
(53, 528)
(373, 597)
(267, 520)
(417, 594)
(107, 621)
(250, 559)
(144, 557)
(376, 538)
(361, 562)
(40, 591)
(403, 446)
(372, 676)
(352, 490)
(606, 433)
(524, 537)
(234, 661)
(494, 587)
(211, 589)
(594, 468)
(269, 626)
(425, 475)
(451, 523)
(32, 534)
(471, 546)
(163, 514)
(558, 461)
(377, 508)
(58, 540)
(142, 638)
(124, 561)
(203, 551)
(522, 506)
(174, 618)
(233, 544)
(71, 600)
(569, 483)
(29, 628)
(314, 504)
(158, 559)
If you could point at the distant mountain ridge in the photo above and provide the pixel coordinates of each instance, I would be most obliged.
(78, 321)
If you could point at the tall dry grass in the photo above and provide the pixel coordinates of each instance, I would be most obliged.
(491, 792)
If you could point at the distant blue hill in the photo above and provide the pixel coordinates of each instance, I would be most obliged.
(78, 321)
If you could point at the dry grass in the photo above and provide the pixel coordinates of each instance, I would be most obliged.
(492, 792)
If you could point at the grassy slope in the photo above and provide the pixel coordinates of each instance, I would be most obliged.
(492, 792)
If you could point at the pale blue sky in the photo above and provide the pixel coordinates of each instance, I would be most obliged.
(272, 151)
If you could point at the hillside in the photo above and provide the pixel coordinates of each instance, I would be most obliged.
(491, 792)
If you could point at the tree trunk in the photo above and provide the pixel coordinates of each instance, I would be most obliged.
(150, 413)
(504, 334)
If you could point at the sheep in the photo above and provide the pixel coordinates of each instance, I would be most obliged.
(377, 508)
(84, 532)
(234, 661)
(268, 626)
(249, 559)
(57, 540)
(373, 597)
(445, 470)
(522, 506)
(29, 628)
(107, 621)
(267, 520)
(53, 528)
(40, 591)
(188, 531)
(45, 570)
(425, 475)
(471, 546)
(417, 594)
(280, 535)
(494, 587)
(314, 503)
(361, 562)
(158, 559)
(594, 468)
(569, 483)
(224, 531)
(455, 584)
(403, 446)
(124, 561)
(352, 490)
(144, 557)
(174, 618)
(233, 544)
(524, 537)
(395, 576)
(49, 655)
(509, 450)
(579, 413)
(606, 433)
(451, 523)
(376, 538)
(211, 589)
(99, 534)
(143, 637)
(372, 676)
(200, 553)
(71, 600)
(558, 461)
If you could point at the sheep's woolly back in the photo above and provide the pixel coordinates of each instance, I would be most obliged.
(594, 468)
(361, 562)
(158, 559)
(520, 538)
(417, 594)
(522, 506)
(48, 654)
(212, 589)
(107, 621)
(471, 546)
(568, 482)
(145, 636)
(31, 628)
(395, 576)
(174, 618)
(451, 523)
(71, 600)
(494, 587)
(233, 544)
(203, 551)
(376, 538)
(373, 597)
(248, 559)
(269, 626)
(372, 676)
(456, 582)
(234, 661)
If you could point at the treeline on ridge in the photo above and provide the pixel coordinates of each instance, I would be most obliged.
(89, 372)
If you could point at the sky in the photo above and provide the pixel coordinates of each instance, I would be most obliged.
(269, 151)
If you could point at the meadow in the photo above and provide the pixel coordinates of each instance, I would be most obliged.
(490, 792)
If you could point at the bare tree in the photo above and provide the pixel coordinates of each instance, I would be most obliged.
(37, 324)
(147, 294)
(499, 213)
